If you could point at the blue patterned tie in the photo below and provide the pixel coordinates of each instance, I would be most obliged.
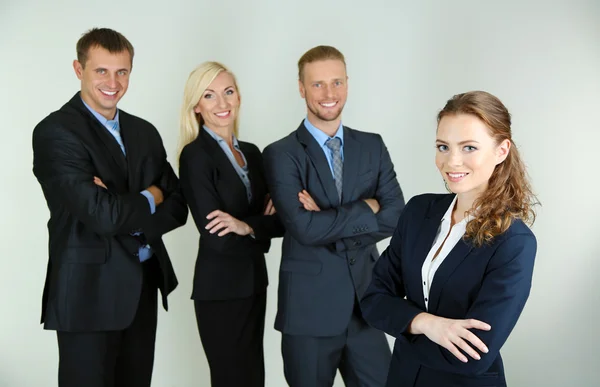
(338, 167)
(116, 129)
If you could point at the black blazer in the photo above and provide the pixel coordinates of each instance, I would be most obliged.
(490, 283)
(231, 266)
(94, 277)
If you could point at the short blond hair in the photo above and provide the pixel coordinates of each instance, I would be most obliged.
(316, 54)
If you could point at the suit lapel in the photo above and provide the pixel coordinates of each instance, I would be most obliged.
(129, 135)
(351, 160)
(425, 238)
(451, 262)
(98, 130)
(222, 162)
(253, 175)
(319, 161)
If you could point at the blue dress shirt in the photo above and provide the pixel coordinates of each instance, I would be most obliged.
(322, 138)
(241, 171)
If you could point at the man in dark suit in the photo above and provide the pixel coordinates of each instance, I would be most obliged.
(336, 192)
(111, 195)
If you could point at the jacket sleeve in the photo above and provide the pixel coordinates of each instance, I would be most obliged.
(173, 211)
(196, 179)
(312, 228)
(383, 304)
(390, 198)
(500, 301)
(66, 173)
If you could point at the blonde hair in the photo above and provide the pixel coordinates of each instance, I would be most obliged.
(198, 81)
(316, 54)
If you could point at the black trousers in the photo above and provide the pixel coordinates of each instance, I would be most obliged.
(116, 358)
(232, 334)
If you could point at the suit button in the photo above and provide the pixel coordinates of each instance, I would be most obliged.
(136, 254)
(357, 243)
(352, 261)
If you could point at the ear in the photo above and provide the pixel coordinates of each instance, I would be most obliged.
(502, 151)
(197, 108)
(78, 69)
(301, 88)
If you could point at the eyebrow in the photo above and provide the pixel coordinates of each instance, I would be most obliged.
(334, 80)
(105, 69)
(228, 87)
(460, 143)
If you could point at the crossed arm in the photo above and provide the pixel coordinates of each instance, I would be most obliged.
(349, 226)
(438, 341)
(66, 173)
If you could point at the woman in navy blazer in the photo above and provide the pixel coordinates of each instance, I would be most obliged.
(456, 276)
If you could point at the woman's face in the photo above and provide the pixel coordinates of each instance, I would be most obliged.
(466, 153)
(219, 103)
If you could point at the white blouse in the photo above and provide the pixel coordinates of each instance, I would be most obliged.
(451, 235)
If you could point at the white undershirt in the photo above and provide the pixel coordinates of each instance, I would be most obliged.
(454, 234)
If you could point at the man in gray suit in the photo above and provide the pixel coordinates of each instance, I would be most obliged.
(336, 191)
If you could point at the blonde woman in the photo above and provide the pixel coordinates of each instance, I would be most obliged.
(223, 182)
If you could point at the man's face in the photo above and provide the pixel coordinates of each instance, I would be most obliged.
(104, 79)
(325, 88)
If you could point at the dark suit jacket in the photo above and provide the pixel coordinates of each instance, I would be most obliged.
(489, 283)
(328, 255)
(231, 266)
(94, 276)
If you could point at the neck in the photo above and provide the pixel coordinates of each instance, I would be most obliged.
(225, 133)
(330, 128)
(464, 203)
(108, 114)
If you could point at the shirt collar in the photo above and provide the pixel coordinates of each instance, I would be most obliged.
(99, 116)
(220, 139)
(320, 136)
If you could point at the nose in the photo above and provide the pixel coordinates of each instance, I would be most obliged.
(112, 81)
(222, 102)
(328, 91)
(455, 159)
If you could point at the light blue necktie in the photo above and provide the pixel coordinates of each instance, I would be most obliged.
(116, 129)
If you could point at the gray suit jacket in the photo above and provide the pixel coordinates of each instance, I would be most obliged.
(328, 256)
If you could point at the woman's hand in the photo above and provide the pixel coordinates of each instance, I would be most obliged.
(226, 223)
(269, 207)
(307, 201)
(451, 334)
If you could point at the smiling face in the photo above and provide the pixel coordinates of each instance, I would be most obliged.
(467, 154)
(324, 88)
(219, 103)
(104, 79)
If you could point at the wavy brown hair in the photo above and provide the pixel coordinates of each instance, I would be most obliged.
(509, 195)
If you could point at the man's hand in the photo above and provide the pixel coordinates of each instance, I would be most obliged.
(374, 204)
(269, 207)
(226, 223)
(99, 182)
(307, 201)
(156, 193)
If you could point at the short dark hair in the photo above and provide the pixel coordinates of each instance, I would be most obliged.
(111, 40)
(317, 54)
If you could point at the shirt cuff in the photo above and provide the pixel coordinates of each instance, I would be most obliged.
(150, 198)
